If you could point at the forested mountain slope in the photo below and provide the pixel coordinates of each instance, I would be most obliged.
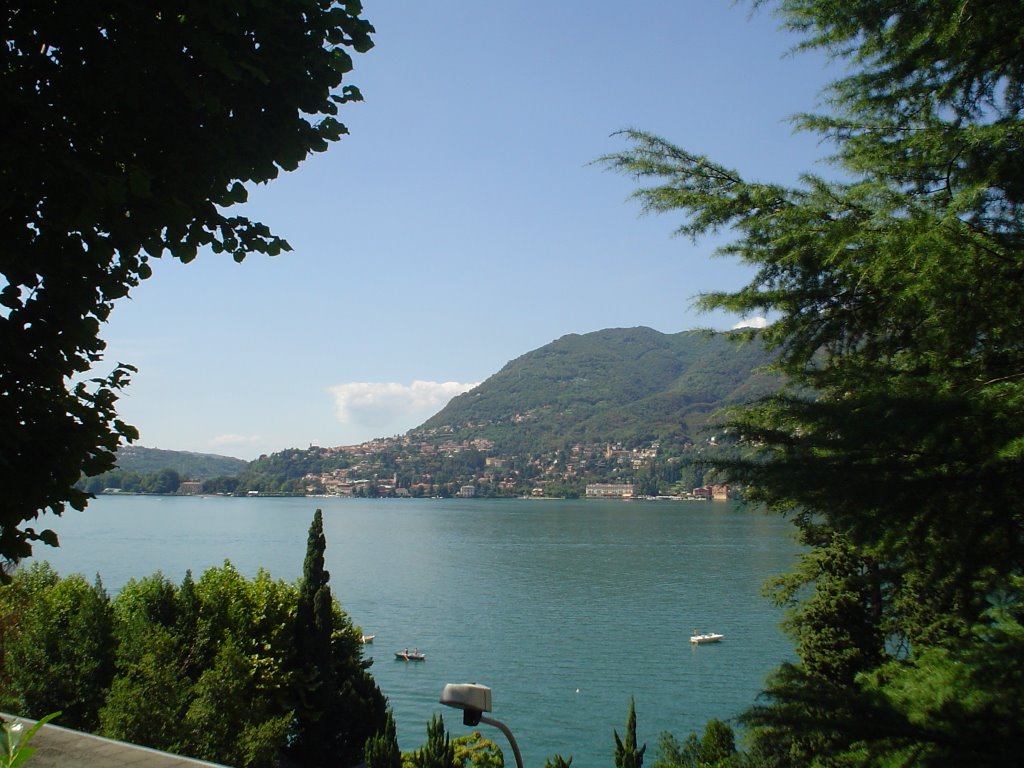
(620, 384)
(197, 466)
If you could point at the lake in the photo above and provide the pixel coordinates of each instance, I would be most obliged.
(564, 609)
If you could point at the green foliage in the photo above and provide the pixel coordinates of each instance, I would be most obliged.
(475, 751)
(381, 750)
(14, 740)
(438, 751)
(58, 649)
(149, 698)
(557, 762)
(896, 291)
(627, 755)
(337, 705)
(715, 748)
(209, 669)
(95, 186)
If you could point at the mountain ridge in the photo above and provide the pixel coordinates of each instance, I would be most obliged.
(632, 384)
(564, 405)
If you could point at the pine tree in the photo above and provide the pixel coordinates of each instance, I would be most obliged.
(894, 291)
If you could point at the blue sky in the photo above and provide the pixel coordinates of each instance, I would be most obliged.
(462, 223)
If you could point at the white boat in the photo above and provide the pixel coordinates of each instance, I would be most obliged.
(698, 638)
(367, 639)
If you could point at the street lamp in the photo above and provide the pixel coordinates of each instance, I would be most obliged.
(474, 700)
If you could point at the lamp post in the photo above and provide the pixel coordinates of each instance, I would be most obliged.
(474, 700)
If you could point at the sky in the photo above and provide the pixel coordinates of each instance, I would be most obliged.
(463, 222)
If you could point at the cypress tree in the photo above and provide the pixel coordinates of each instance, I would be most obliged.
(310, 741)
(336, 702)
(626, 753)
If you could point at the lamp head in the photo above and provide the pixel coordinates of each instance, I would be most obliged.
(472, 699)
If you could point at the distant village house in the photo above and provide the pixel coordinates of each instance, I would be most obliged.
(610, 491)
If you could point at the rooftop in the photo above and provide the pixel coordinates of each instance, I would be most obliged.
(58, 747)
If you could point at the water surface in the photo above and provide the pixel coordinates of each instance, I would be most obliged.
(564, 608)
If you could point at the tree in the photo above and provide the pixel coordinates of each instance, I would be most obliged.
(626, 753)
(438, 751)
(229, 720)
(95, 186)
(148, 699)
(58, 646)
(716, 748)
(898, 446)
(337, 704)
(381, 749)
(207, 669)
(165, 481)
(473, 750)
(718, 744)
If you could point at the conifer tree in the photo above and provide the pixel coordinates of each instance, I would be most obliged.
(337, 704)
(627, 755)
(381, 749)
(438, 751)
(894, 291)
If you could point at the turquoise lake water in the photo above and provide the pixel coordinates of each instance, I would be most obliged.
(564, 609)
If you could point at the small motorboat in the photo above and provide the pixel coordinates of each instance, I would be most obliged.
(699, 638)
(367, 639)
(408, 655)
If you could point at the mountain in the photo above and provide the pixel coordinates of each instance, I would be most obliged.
(629, 385)
(196, 466)
(549, 419)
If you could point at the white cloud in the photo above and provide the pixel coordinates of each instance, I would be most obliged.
(379, 409)
(753, 322)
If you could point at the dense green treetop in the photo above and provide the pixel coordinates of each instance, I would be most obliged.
(104, 102)
(228, 669)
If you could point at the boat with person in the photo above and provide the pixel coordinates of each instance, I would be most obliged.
(702, 638)
(408, 655)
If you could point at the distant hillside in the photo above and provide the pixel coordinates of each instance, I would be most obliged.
(194, 466)
(624, 384)
(545, 420)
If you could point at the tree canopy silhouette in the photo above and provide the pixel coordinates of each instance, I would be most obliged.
(129, 129)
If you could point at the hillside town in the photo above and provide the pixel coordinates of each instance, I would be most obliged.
(431, 463)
